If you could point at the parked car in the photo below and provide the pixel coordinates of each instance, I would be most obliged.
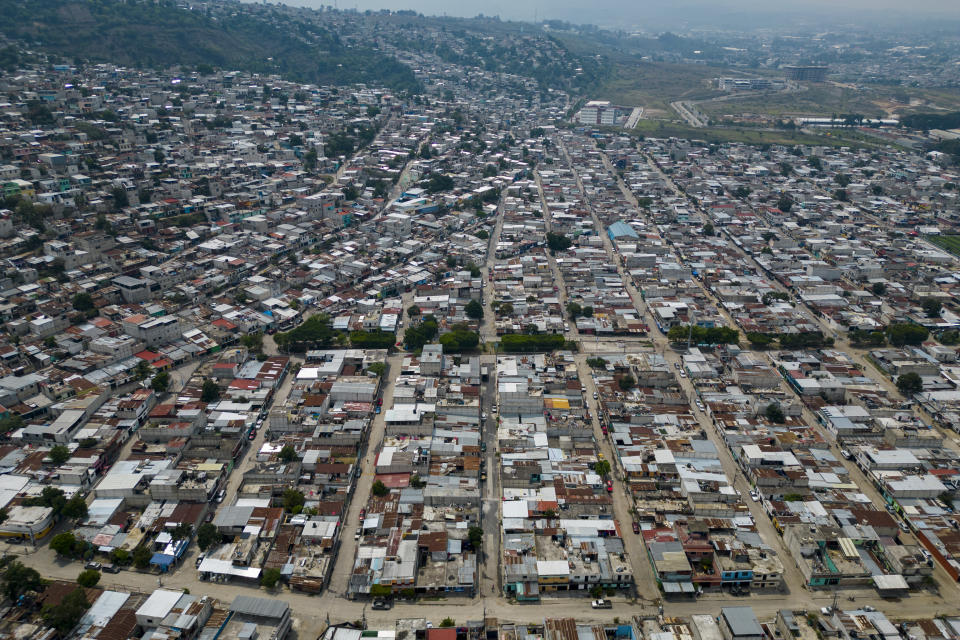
(357, 533)
(609, 486)
(111, 568)
(754, 496)
(96, 566)
(636, 527)
(601, 604)
(221, 495)
(595, 395)
(382, 604)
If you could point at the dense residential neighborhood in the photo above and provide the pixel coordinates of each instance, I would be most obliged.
(284, 358)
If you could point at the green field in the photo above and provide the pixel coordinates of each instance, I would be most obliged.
(817, 100)
(746, 135)
(654, 85)
(947, 243)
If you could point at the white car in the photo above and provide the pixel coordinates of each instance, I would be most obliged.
(683, 374)
(483, 416)
(754, 496)
(493, 409)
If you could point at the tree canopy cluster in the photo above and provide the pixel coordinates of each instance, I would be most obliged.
(415, 337)
(703, 335)
(558, 241)
(459, 339)
(315, 331)
(524, 343)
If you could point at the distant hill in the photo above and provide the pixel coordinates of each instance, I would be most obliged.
(158, 34)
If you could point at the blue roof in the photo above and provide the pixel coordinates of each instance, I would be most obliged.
(162, 559)
(620, 228)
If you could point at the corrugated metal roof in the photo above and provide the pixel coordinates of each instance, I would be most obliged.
(260, 607)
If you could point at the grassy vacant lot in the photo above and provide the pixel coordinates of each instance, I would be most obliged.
(654, 85)
(947, 243)
(827, 99)
(747, 135)
(817, 100)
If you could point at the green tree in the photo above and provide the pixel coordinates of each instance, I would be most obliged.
(83, 302)
(774, 413)
(63, 543)
(574, 310)
(288, 453)
(121, 556)
(759, 340)
(475, 535)
(182, 531)
(88, 578)
(270, 577)
(10, 423)
(626, 382)
(210, 391)
(67, 614)
(120, 198)
(596, 363)
(906, 333)
(483, 234)
(52, 497)
(377, 368)
(602, 467)
(878, 288)
(160, 382)
(785, 203)
(379, 489)
(207, 536)
(76, 507)
(910, 383)
(949, 338)
(558, 241)
(59, 454)
(142, 370)
(474, 310)
(460, 339)
(932, 307)
(293, 501)
(141, 557)
(413, 311)
(447, 622)
(253, 341)
(18, 579)
(415, 337)
(708, 229)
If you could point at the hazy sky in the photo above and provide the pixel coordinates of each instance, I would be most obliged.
(661, 13)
